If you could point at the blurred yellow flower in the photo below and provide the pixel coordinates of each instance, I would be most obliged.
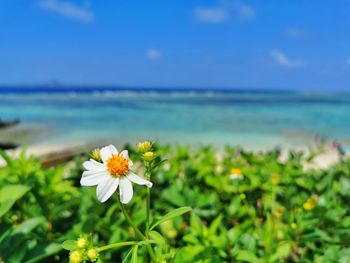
(92, 254)
(76, 256)
(82, 242)
(144, 146)
(310, 203)
(236, 171)
(275, 178)
(235, 174)
(148, 156)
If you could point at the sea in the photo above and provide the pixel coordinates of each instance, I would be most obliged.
(248, 118)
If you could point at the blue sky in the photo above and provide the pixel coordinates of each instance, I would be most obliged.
(299, 44)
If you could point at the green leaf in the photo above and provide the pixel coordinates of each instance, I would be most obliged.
(170, 215)
(13, 192)
(247, 256)
(189, 253)
(28, 225)
(6, 206)
(158, 164)
(127, 255)
(283, 251)
(69, 245)
(156, 236)
(315, 235)
(9, 195)
(215, 225)
(196, 224)
(19, 242)
(122, 244)
(134, 254)
(6, 157)
(43, 251)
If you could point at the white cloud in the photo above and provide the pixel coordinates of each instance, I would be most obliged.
(222, 13)
(153, 53)
(211, 15)
(295, 32)
(68, 9)
(245, 12)
(282, 60)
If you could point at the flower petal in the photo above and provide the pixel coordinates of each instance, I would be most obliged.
(92, 165)
(106, 188)
(90, 178)
(125, 154)
(138, 180)
(236, 176)
(126, 190)
(130, 164)
(107, 152)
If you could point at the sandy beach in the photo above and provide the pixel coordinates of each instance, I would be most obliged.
(53, 154)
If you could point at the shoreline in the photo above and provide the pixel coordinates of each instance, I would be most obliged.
(56, 153)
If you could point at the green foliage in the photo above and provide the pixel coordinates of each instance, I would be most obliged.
(175, 213)
(259, 218)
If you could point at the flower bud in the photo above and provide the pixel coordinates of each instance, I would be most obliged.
(148, 156)
(144, 146)
(92, 254)
(96, 155)
(82, 242)
(76, 256)
(310, 203)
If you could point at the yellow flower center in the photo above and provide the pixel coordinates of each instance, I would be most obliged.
(236, 171)
(117, 165)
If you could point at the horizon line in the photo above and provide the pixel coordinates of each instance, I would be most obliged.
(55, 87)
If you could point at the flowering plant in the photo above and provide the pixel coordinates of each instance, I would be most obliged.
(110, 170)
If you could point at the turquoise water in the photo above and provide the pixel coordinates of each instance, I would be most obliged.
(255, 120)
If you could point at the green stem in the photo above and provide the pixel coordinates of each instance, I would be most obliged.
(148, 177)
(137, 231)
(151, 253)
(120, 244)
(148, 210)
(131, 223)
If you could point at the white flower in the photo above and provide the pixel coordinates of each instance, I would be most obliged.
(236, 174)
(113, 171)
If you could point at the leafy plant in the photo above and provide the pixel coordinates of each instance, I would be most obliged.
(262, 217)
